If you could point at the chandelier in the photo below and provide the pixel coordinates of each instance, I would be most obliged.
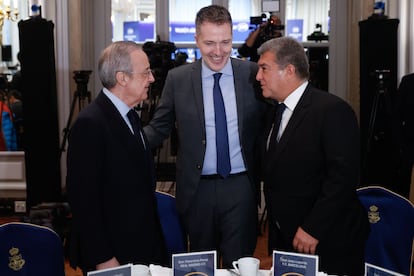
(7, 12)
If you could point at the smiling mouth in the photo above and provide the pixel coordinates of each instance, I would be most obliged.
(217, 59)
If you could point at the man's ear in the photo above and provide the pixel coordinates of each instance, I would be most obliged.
(290, 70)
(120, 78)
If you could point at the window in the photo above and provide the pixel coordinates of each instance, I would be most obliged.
(182, 19)
(303, 15)
(241, 11)
(133, 20)
(136, 20)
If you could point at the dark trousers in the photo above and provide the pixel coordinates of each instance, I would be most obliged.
(223, 216)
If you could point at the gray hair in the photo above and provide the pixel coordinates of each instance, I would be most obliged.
(115, 58)
(287, 51)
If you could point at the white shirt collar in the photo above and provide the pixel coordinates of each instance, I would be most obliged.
(292, 100)
(226, 70)
(120, 105)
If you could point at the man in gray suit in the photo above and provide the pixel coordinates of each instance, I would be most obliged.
(219, 212)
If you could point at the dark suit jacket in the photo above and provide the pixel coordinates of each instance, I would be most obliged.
(404, 111)
(310, 179)
(182, 103)
(405, 114)
(111, 185)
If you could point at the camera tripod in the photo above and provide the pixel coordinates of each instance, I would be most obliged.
(381, 91)
(81, 94)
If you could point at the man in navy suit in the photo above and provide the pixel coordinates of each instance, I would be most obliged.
(311, 164)
(110, 170)
(219, 212)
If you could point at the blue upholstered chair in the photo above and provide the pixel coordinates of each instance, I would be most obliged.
(171, 224)
(390, 243)
(30, 249)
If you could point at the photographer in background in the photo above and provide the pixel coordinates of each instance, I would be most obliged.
(265, 31)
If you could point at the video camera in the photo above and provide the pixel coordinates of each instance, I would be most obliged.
(257, 20)
(269, 30)
(159, 55)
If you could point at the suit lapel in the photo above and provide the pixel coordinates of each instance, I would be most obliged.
(298, 114)
(197, 89)
(238, 88)
(123, 134)
(118, 126)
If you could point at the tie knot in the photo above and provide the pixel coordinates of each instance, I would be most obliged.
(131, 114)
(217, 77)
(281, 107)
(278, 114)
(133, 117)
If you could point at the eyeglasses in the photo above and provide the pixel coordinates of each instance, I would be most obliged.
(146, 74)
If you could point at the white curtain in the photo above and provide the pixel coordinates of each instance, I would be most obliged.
(313, 12)
(243, 9)
(186, 10)
(404, 11)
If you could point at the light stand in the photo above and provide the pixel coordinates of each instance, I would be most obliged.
(381, 84)
(81, 78)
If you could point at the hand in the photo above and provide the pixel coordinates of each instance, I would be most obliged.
(252, 37)
(263, 25)
(108, 264)
(304, 243)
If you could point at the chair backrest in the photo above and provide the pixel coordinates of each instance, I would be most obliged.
(171, 223)
(30, 249)
(391, 216)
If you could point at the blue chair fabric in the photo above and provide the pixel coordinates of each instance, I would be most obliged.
(391, 216)
(171, 224)
(30, 249)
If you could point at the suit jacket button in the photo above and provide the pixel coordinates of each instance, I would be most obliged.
(203, 142)
(199, 167)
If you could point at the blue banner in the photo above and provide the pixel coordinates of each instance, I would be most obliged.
(179, 32)
(139, 31)
(294, 28)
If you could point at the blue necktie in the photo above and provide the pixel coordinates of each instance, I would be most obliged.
(276, 124)
(222, 139)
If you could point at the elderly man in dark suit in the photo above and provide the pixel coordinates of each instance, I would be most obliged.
(110, 170)
(311, 164)
(405, 118)
(219, 209)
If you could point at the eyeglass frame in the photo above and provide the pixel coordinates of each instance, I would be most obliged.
(145, 74)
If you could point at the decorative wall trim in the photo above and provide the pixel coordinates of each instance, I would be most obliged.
(12, 174)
